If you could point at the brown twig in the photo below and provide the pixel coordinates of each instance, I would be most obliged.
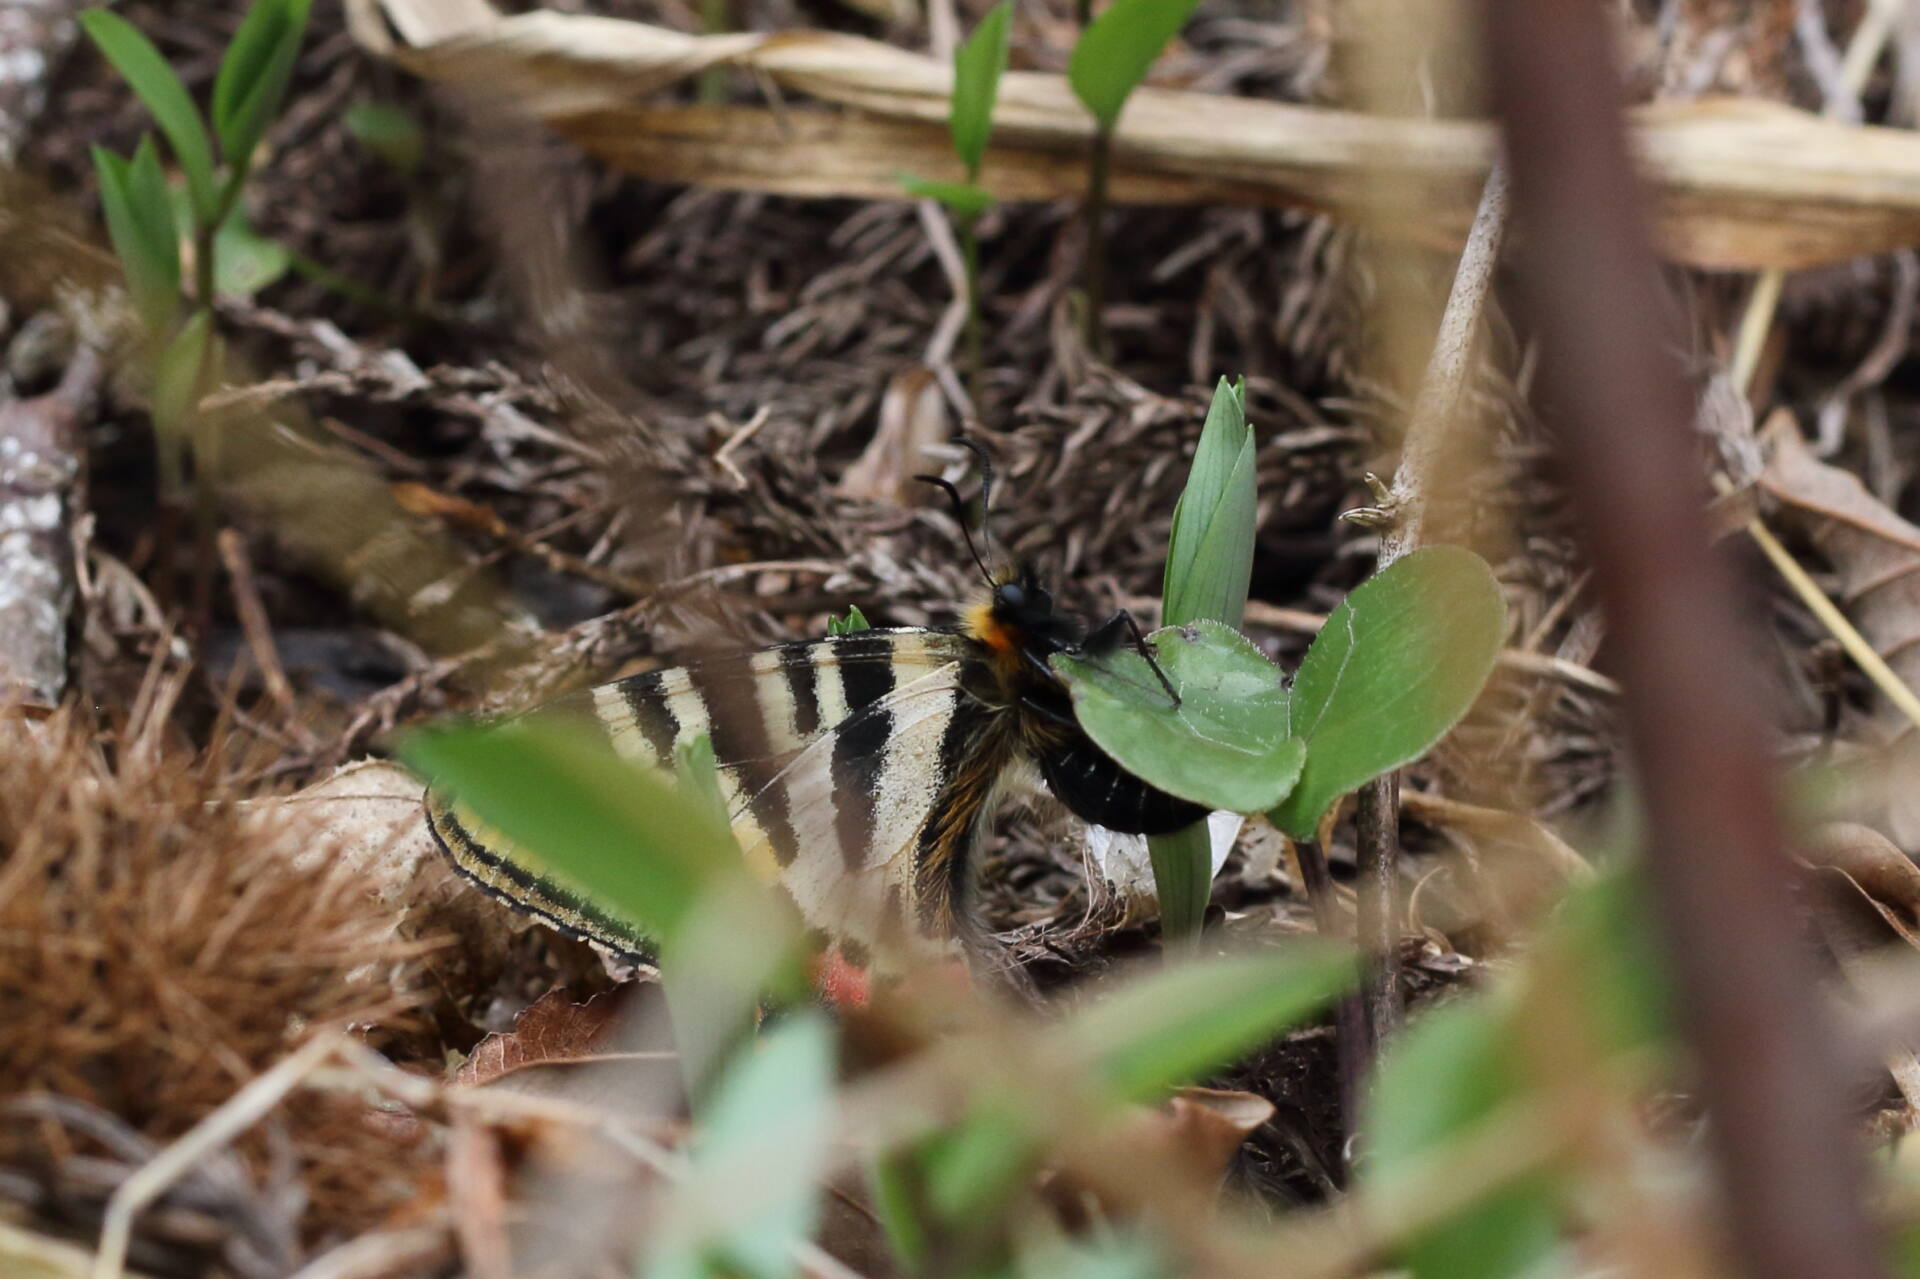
(1793, 1183)
(253, 621)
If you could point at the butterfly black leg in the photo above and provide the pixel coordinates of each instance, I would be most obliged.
(1106, 637)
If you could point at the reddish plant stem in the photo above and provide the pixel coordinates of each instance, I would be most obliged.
(1792, 1175)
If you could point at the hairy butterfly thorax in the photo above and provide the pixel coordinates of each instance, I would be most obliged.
(861, 772)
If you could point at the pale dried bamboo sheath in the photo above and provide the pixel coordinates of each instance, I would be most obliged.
(1739, 183)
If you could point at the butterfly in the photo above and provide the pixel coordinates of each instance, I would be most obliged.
(862, 771)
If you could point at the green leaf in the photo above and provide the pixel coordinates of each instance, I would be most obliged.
(1114, 53)
(1449, 1071)
(141, 65)
(244, 261)
(253, 78)
(616, 835)
(963, 198)
(140, 224)
(1118, 1255)
(1182, 1021)
(894, 1178)
(977, 67)
(753, 1192)
(389, 132)
(696, 773)
(1210, 552)
(973, 1170)
(1396, 666)
(855, 620)
(1605, 932)
(179, 381)
(1225, 745)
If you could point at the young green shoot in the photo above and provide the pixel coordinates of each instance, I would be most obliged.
(1111, 58)
(977, 67)
(1209, 568)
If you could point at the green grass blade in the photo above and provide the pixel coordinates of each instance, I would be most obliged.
(154, 82)
(140, 224)
(977, 67)
(253, 77)
(1175, 1025)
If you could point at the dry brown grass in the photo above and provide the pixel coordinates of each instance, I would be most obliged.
(156, 954)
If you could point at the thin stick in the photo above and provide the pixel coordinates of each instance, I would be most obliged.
(254, 623)
(1442, 388)
(234, 1116)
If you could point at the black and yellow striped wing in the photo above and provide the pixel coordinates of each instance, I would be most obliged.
(857, 771)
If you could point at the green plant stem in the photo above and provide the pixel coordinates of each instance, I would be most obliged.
(1183, 879)
(203, 276)
(976, 339)
(1099, 161)
(715, 17)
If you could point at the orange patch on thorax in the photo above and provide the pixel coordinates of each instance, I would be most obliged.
(1000, 639)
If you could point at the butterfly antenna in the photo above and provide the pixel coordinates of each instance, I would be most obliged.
(960, 513)
(986, 491)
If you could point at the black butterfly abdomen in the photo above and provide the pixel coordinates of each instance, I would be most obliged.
(1090, 783)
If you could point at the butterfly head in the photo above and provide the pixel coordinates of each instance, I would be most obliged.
(1018, 624)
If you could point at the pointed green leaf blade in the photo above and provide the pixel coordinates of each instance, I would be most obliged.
(1175, 1025)
(140, 224)
(616, 835)
(253, 77)
(1225, 745)
(148, 74)
(752, 1194)
(965, 199)
(1210, 550)
(1396, 666)
(977, 67)
(1116, 50)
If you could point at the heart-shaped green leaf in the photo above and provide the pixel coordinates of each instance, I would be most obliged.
(1225, 745)
(1396, 666)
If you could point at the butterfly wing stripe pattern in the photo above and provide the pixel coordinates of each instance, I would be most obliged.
(859, 893)
(780, 721)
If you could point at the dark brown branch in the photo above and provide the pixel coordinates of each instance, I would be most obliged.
(1793, 1178)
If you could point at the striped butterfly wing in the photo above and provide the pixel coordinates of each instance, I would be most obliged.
(806, 737)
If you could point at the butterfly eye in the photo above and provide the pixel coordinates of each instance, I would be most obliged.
(1010, 595)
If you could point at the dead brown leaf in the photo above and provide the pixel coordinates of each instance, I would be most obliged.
(552, 1031)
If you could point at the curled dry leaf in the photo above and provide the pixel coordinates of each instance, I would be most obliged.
(1859, 860)
(553, 1030)
(1740, 182)
(913, 418)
